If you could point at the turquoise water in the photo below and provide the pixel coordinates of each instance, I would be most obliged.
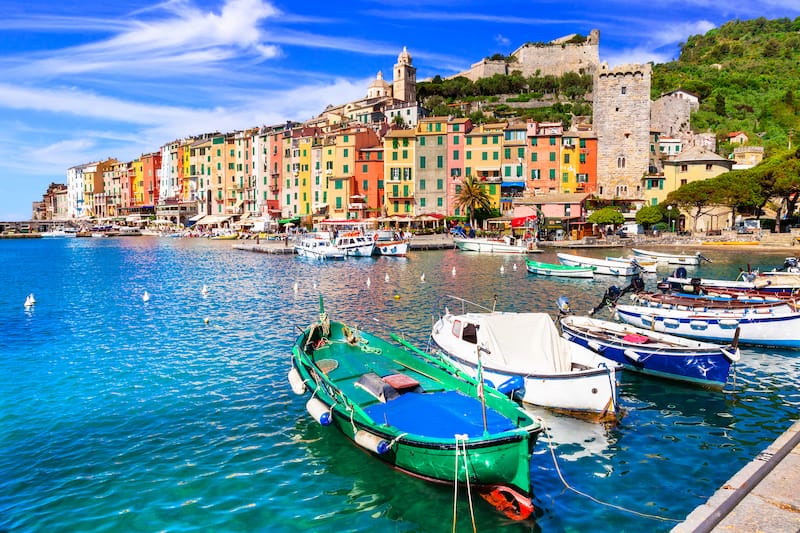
(123, 415)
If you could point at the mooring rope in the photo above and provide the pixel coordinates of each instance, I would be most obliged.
(590, 497)
(463, 440)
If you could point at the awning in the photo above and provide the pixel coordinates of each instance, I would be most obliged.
(292, 220)
(513, 184)
(210, 220)
(521, 222)
(196, 217)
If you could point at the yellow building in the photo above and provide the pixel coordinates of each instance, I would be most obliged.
(570, 157)
(399, 147)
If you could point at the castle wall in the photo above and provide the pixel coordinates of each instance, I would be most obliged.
(670, 116)
(622, 124)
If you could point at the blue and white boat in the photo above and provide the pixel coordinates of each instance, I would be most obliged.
(652, 353)
(757, 327)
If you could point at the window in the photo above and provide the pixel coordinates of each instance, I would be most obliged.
(552, 156)
(439, 202)
(582, 143)
(484, 156)
(439, 161)
(552, 141)
(346, 169)
(624, 90)
(439, 139)
(533, 141)
(422, 161)
(582, 158)
(346, 152)
(535, 174)
(508, 171)
(507, 153)
(455, 155)
(552, 173)
(394, 156)
(440, 184)
(422, 140)
(566, 159)
(405, 154)
(533, 156)
(338, 202)
(520, 152)
(422, 185)
(395, 190)
(338, 184)
(620, 162)
(709, 167)
(422, 202)
(455, 139)
(364, 168)
(684, 168)
(469, 156)
(469, 333)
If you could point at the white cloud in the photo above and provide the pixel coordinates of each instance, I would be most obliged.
(501, 40)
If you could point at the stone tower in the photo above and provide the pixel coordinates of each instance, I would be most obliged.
(622, 123)
(404, 86)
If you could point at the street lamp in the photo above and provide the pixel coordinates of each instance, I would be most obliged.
(669, 218)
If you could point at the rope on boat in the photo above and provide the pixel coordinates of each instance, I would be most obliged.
(590, 497)
(463, 440)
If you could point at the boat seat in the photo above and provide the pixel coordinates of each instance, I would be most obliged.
(375, 385)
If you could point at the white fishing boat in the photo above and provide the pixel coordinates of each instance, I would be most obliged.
(505, 245)
(523, 355)
(647, 266)
(318, 246)
(672, 259)
(59, 232)
(602, 266)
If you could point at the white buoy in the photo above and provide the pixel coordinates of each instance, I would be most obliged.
(204, 290)
(296, 287)
(502, 269)
(515, 266)
(146, 296)
(422, 277)
(386, 277)
(369, 282)
(30, 300)
(454, 271)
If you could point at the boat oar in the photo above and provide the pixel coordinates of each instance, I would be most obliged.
(704, 258)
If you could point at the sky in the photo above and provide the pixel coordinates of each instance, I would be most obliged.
(84, 80)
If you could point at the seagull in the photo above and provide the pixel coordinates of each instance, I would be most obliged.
(422, 277)
(204, 290)
(368, 282)
(296, 287)
(502, 269)
(146, 296)
(315, 285)
(386, 278)
(454, 271)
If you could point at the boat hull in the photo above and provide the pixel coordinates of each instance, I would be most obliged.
(491, 246)
(391, 248)
(671, 259)
(601, 266)
(561, 271)
(683, 360)
(759, 329)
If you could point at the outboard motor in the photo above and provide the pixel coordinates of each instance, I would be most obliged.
(610, 297)
(563, 305)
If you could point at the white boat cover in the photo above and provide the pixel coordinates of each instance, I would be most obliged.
(523, 342)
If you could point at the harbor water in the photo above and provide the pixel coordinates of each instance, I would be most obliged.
(174, 414)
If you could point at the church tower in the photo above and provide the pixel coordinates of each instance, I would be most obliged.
(404, 84)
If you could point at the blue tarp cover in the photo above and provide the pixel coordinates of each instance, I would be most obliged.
(438, 415)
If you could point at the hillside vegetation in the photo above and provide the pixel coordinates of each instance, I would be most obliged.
(747, 75)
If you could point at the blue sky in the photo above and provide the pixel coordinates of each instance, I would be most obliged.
(84, 80)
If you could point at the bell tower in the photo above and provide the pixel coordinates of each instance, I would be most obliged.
(404, 84)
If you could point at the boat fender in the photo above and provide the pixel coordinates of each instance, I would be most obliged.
(372, 442)
(319, 411)
(296, 382)
(509, 386)
(633, 356)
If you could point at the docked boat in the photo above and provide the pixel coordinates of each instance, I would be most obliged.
(415, 413)
(226, 236)
(59, 233)
(647, 266)
(780, 329)
(652, 353)
(559, 270)
(354, 243)
(601, 266)
(672, 259)
(523, 355)
(317, 246)
(704, 303)
(786, 284)
(506, 245)
(389, 242)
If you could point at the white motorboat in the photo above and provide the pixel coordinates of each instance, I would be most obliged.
(648, 266)
(354, 243)
(318, 246)
(506, 245)
(672, 259)
(602, 266)
(522, 354)
(389, 242)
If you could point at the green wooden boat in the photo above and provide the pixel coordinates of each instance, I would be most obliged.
(563, 271)
(416, 412)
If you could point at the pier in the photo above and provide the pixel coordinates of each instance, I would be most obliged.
(762, 496)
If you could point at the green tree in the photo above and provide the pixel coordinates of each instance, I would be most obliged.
(606, 215)
(473, 196)
(696, 197)
(649, 215)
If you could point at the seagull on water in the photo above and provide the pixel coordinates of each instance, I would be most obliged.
(204, 290)
(386, 277)
(146, 296)
(454, 271)
(422, 277)
(296, 287)
(369, 282)
(502, 269)
(30, 300)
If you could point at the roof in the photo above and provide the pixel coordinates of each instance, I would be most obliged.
(696, 154)
(556, 198)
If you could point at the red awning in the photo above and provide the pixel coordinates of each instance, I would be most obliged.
(521, 222)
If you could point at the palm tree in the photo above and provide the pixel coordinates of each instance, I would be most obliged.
(473, 196)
